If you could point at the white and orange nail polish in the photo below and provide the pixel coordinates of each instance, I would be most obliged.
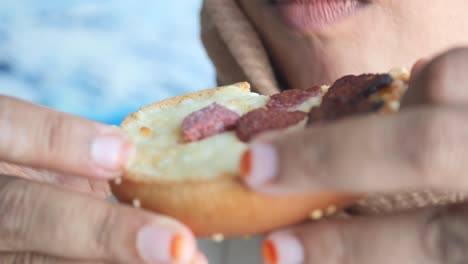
(162, 245)
(259, 165)
(282, 248)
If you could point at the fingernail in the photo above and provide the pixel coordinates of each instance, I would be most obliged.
(282, 248)
(259, 165)
(160, 245)
(110, 152)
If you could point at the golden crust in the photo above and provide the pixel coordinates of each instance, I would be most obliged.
(178, 99)
(222, 205)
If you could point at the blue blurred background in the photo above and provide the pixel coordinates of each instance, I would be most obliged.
(101, 59)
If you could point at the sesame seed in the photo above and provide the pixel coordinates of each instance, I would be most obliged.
(316, 214)
(325, 88)
(136, 203)
(394, 105)
(398, 73)
(218, 237)
(118, 181)
(331, 210)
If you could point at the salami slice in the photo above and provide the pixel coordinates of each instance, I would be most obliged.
(351, 95)
(290, 99)
(261, 120)
(209, 121)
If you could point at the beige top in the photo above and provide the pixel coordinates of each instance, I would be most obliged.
(239, 55)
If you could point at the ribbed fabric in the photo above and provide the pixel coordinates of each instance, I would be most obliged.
(239, 55)
(234, 47)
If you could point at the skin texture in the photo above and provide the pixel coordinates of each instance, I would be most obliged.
(40, 200)
(424, 147)
(421, 148)
(389, 33)
(385, 34)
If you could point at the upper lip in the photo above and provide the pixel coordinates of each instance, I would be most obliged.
(305, 2)
(316, 14)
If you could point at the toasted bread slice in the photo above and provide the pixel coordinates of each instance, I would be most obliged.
(198, 182)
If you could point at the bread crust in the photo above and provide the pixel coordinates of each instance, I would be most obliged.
(221, 205)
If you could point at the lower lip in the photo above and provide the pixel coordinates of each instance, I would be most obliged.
(317, 14)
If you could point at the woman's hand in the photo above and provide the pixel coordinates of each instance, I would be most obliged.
(424, 147)
(42, 223)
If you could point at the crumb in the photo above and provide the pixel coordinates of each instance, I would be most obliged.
(136, 203)
(316, 214)
(331, 210)
(218, 237)
(118, 181)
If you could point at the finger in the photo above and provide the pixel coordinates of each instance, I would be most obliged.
(437, 236)
(418, 66)
(39, 137)
(97, 188)
(441, 81)
(199, 258)
(39, 218)
(424, 148)
(35, 258)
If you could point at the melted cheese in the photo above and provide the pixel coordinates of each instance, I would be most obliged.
(160, 154)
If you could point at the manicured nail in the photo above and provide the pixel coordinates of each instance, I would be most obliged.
(110, 153)
(160, 245)
(259, 165)
(282, 248)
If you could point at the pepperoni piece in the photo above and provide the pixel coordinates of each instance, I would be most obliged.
(349, 95)
(209, 121)
(290, 99)
(261, 120)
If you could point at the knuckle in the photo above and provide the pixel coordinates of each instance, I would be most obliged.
(326, 241)
(105, 225)
(432, 146)
(445, 235)
(14, 194)
(14, 258)
(26, 258)
(52, 133)
(442, 72)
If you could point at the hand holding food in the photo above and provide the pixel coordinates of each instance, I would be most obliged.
(43, 223)
(191, 152)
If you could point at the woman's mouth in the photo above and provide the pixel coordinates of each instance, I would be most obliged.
(317, 14)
